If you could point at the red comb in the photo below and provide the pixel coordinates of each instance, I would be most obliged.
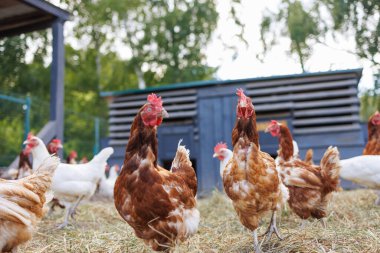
(219, 146)
(154, 100)
(240, 93)
(56, 141)
(273, 122)
(30, 136)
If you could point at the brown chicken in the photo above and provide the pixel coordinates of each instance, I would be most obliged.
(22, 205)
(24, 164)
(310, 187)
(160, 205)
(250, 178)
(373, 143)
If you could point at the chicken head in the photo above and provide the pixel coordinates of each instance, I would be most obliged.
(375, 119)
(220, 151)
(273, 128)
(153, 112)
(244, 107)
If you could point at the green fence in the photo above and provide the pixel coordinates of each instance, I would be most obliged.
(82, 132)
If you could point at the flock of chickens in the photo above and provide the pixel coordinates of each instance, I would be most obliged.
(161, 205)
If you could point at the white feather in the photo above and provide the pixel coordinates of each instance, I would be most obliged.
(363, 170)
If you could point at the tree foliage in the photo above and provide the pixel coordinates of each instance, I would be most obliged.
(306, 26)
(165, 43)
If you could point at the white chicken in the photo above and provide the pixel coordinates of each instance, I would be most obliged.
(107, 184)
(223, 154)
(363, 170)
(71, 182)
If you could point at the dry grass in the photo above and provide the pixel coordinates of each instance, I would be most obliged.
(353, 226)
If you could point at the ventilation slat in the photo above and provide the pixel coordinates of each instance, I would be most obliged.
(119, 134)
(142, 102)
(297, 81)
(326, 120)
(172, 115)
(168, 108)
(328, 129)
(161, 94)
(326, 111)
(307, 96)
(118, 142)
(114, 128)
(274, 107)
(326, 103)
(305, 87)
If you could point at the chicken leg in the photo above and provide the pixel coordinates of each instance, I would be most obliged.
(377, 202)
(67, 214)
(323, 222)
(272, 228)
(73, 209)
(256, 244)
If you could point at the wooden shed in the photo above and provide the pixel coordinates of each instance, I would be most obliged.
(321, 109)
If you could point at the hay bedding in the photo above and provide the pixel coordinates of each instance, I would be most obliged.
(352, 226)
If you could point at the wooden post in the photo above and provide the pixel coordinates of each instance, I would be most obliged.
(57, 77)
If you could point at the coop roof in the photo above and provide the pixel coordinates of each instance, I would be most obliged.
(21, 16)
(199, 84)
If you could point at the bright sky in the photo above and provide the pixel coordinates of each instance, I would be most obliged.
(278, 61)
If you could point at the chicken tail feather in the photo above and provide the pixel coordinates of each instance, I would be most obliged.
(181, 157)
(330, 169)
(102, 156)
(309, 156)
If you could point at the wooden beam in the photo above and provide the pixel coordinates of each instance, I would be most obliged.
(48, 8)
(57, 77)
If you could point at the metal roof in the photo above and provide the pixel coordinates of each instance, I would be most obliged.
(22, 16)
(196, 84)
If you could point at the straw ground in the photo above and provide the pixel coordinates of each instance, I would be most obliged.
(353, 226)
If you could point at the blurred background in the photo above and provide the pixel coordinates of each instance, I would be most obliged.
(115, 45)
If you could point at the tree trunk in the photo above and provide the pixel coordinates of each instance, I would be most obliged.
(140, 78)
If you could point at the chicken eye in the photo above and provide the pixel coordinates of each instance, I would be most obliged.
(149, 109)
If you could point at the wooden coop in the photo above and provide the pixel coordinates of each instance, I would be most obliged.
(321, 109)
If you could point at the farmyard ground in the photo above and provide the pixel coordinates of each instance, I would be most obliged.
(353, 226)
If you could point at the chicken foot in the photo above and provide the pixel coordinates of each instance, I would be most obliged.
(272, 228)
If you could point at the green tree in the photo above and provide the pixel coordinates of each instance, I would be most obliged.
(306, 27)
(370, 100)
(166, 39)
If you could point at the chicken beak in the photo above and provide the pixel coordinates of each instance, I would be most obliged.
(26, 142)
(59, 146)
(215, 155)
(266, 130)
(164, 113)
